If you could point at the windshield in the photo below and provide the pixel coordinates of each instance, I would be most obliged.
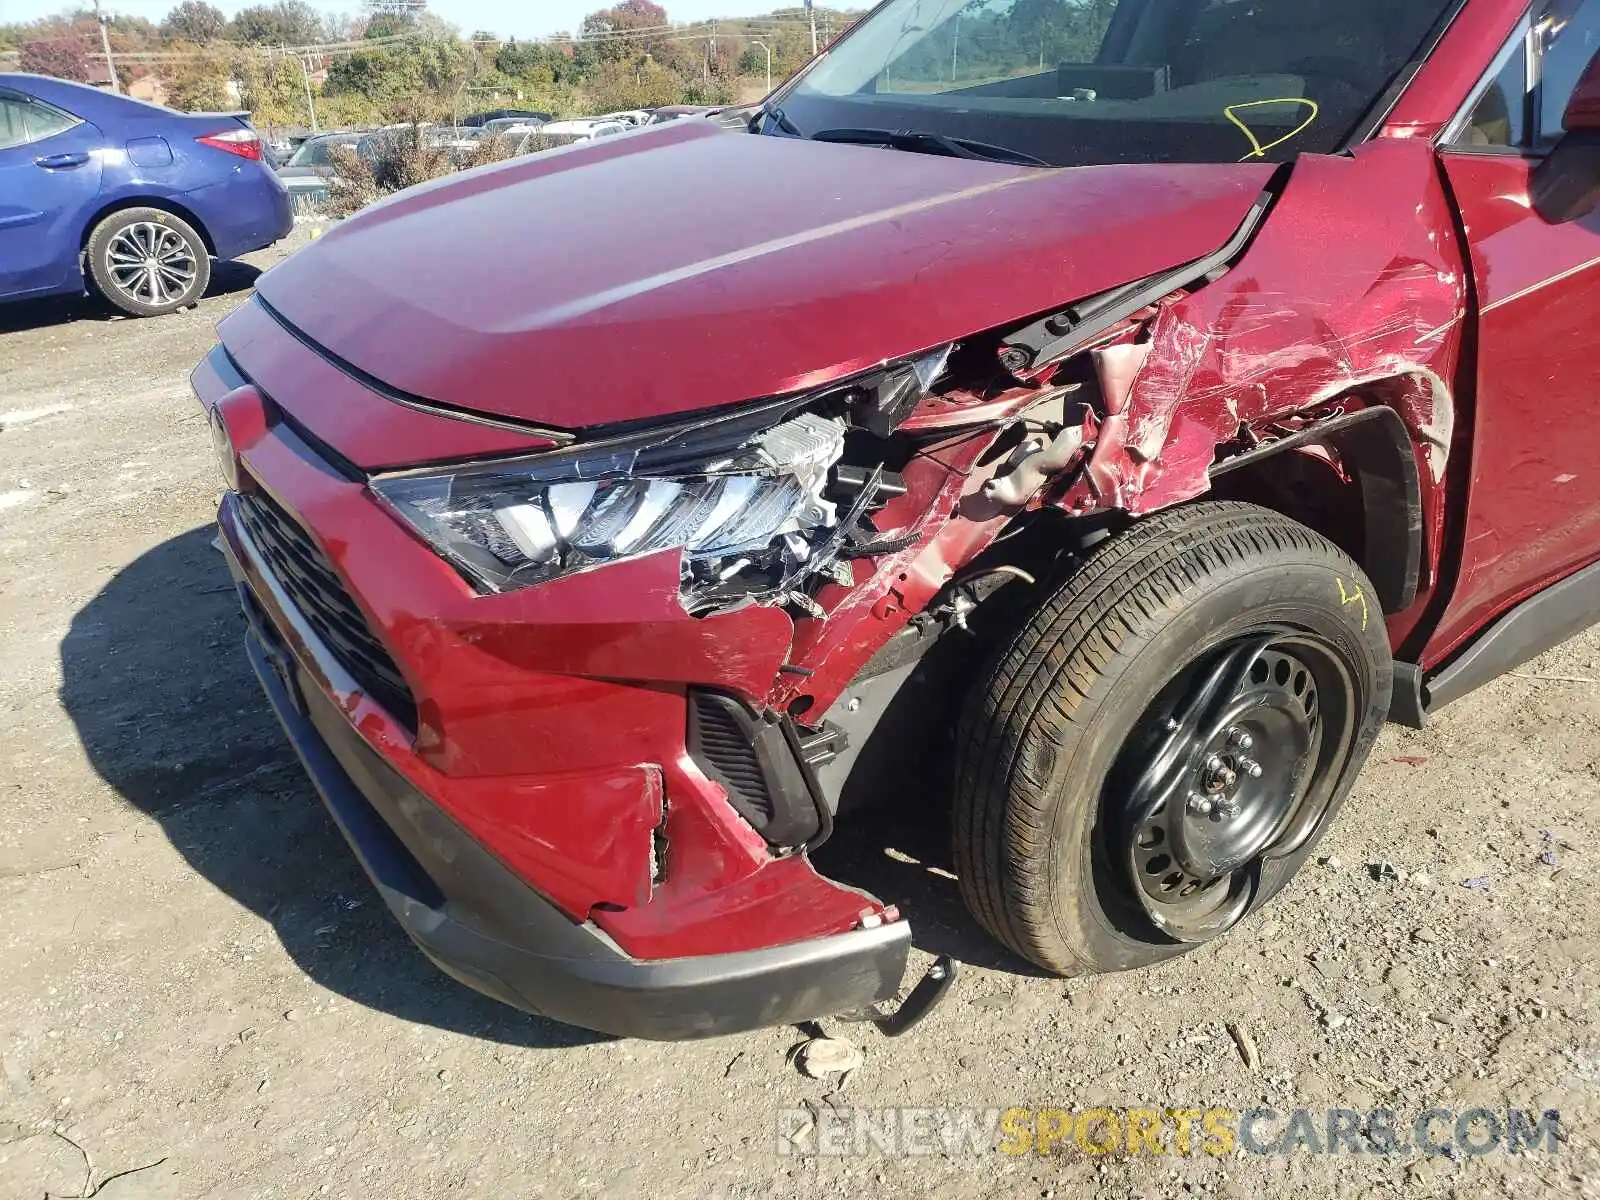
(317, 152)
(1075, 82)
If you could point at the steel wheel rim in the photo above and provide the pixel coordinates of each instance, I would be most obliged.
(151, 263)
(1234, 765)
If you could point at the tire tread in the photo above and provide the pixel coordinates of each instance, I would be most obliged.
(1042, 687)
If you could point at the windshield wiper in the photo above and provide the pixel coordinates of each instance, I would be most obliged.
(920, 142)
(777, 118)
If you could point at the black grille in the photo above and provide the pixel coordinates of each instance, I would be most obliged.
(310, 582)
(757, 760)
(721, 741)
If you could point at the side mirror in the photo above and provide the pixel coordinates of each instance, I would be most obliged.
(1567, 184)
(1583, 110)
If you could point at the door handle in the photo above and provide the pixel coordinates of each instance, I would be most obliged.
(56, 162)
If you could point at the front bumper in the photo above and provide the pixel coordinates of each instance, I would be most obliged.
(538, 828)
(516, 946)
(486, 928)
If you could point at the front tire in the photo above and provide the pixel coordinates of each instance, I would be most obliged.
(1167, 737)
(147, 261)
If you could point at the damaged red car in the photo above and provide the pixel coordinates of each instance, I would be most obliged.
(1083, 422)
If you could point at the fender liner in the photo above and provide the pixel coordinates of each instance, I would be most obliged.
(1376, 451)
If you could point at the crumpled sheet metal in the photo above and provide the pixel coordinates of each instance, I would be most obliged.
(1308, 315)
(891, 589)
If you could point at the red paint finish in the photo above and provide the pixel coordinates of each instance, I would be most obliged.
(1533, 500)
(1312, 314)
(1582, 114)
(552, 720)
(368, 430)
(531, 738)
(1449, 73)
(759, 266)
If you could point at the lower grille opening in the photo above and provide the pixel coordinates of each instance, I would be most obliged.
(309, 580)
(758, 761)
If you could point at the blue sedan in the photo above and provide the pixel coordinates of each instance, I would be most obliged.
(130, 198)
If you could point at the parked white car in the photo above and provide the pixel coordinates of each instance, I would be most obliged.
(565, 133)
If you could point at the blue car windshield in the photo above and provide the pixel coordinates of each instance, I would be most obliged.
(1074, 82)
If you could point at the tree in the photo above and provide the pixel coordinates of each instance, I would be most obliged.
(519, 60)
(342, 27)
(386, 25)
(65, 58)
(412, 68)
(272, 89)
(646, 84)
(194, 21)
(286, 23)
(629, 18)
(198, 82)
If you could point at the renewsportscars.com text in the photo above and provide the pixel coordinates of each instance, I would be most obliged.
(910, 1132)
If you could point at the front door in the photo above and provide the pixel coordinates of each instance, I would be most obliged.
(49, 177)
(1533, 505)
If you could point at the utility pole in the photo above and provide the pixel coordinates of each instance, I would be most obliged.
(768, 49)
(105, 44)
(811, 11)
(955, 45)
(311, 104)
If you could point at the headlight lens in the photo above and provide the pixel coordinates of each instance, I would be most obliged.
(751, 513)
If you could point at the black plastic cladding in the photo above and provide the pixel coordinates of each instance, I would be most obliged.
(759, 762)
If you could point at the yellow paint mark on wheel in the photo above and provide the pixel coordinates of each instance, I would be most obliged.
(1354, 595)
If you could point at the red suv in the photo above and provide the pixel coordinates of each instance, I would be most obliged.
(1098, 416)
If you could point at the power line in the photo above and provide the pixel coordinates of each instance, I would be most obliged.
(341, 49)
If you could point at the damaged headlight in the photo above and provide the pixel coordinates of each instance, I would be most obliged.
(748, 520)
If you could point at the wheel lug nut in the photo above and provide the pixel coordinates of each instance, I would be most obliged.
(1250, 767)
(1199, 804)
(1241, 739)
(1214, 762)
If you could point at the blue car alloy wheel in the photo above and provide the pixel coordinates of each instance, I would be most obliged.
(147, 261)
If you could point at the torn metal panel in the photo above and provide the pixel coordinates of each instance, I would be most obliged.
(1321, 306)
(890, 589)
(1308, 323)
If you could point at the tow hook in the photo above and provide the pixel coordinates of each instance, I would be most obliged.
(922, 999)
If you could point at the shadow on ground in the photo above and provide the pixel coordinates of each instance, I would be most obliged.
(227, 278)
(899, 850)
(154, 676)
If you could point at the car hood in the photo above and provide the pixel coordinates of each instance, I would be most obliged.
(684, 267)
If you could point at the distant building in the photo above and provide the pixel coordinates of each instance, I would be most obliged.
(149, 88)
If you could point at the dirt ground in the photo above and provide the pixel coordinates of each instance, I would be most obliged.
(195, 974)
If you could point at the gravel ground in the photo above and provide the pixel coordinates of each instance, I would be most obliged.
(196, 975)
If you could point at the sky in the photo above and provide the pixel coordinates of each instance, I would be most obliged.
(511, 18)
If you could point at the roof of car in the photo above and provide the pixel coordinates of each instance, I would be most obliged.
(81, 99)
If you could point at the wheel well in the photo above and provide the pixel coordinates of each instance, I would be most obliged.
(1364, 496)
(162, 203)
